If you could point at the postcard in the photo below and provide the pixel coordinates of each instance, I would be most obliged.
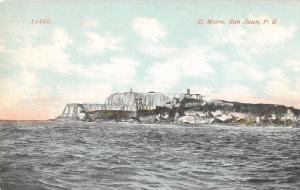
(140, 94)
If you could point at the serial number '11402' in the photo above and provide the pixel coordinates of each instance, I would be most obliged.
(40, 21)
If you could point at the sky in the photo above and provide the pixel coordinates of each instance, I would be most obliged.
(91, 49)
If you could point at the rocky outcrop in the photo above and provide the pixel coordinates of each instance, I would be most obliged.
(187, 108)
(220, 111)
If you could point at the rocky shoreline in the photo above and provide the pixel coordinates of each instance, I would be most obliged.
(229, 113)
(195, 112)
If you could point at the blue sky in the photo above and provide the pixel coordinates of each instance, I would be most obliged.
(93, 48)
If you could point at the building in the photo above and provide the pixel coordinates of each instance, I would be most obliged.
(133, 101)
(129, 104)
(189, 95)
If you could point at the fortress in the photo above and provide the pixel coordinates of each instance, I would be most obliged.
(188, 108)
(123, 105)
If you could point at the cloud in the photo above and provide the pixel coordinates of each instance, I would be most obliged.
(260, 36)
(149, 28)
(2, 46)
(282, 93)
(187, 62)
(90, 24)
(28, 78)
(278, 89)
(26, 97)
(292, 64)
(93, 93)
(236, 92)
(98, 44)
(60, 38)
(51, 55)
(157, 50)
(163, 75)
(281, 89)
(152, 31)
(23, 88)
(23, 98)
(250, 70)
(118, 70)
(254, 40)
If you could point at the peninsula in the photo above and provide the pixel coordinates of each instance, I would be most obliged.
(185, 108)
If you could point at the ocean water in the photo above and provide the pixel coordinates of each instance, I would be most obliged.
(78, 155)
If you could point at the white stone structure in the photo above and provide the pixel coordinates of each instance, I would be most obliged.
(130, 101)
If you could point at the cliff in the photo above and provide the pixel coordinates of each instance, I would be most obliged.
(186, 108)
